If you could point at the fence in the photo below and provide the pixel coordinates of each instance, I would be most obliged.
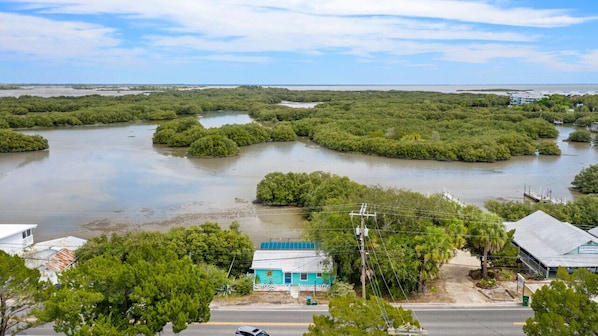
(287, 288)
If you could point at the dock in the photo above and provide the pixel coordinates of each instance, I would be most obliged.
(539, 197)
(448, 196)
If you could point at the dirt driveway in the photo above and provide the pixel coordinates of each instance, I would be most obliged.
(455, 286)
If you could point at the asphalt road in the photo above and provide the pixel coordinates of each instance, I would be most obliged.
(473, 320)
(438, 320)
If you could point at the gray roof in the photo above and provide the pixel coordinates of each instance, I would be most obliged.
(40, 254)
(594, 231)
(292, 261)
(550, 240)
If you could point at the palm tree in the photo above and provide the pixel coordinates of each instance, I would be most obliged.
(489, 235)
(433, 249)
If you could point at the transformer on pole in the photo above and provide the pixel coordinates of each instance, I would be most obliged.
(362, 232)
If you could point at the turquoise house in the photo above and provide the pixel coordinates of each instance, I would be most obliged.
(291, 266)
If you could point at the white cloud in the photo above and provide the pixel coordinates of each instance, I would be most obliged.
(590, 60)
(236, 58)
(240, 31)
(29, 34)
(459, 10)
(187, 13)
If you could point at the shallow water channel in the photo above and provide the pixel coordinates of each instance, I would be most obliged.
(97, 180)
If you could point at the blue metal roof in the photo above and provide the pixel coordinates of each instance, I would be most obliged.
(275, 245)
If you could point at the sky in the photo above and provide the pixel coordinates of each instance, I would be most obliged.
(299, 42)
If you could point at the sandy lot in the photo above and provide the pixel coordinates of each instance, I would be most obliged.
(455, 286)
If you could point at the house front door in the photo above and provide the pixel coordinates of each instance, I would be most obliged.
(287, 278)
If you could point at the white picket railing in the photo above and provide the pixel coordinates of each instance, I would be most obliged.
(287, 288)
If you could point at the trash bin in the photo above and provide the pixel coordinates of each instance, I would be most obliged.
(309, 300)
(525, 301)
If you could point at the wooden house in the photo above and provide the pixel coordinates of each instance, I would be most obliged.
(291, 266)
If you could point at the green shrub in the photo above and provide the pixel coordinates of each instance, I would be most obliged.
(340, 289)
(243, 286)
(283, 132)
(547, 147)
(213, 146)
(487, 283)
(580, 136)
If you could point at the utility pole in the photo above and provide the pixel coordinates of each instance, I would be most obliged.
(362, 232)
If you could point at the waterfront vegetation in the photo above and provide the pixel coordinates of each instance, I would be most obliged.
(397, 124)
(139, 282)
(411, 236)
(580, 212)
(586, 181)
(12, 141)
(580, 136)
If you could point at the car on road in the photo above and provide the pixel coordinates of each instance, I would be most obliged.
(250, 331)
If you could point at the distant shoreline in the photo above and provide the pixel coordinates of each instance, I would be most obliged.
(52, 90)
(493, 90)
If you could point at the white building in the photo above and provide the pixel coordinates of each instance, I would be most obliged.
(521, 98)
(14, 238)
(53, 256)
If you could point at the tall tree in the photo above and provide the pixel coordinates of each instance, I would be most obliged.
(487, 235)
(18, 293)
(350, 316)
(565, 307)
(137, 293)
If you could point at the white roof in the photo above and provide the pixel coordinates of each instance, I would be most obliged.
(550, 240)
(7, 230)
(594, 231)
(68, 242)
(292, 261)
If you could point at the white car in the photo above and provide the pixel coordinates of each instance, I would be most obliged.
(250, 331)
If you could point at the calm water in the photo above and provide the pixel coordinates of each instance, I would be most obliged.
(96, 180)
(110, 179)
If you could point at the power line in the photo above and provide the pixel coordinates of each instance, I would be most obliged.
(362, 232)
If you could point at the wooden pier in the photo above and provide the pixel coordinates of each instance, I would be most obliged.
(449, 197)
(539, 197)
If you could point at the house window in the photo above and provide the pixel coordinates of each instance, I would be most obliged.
(26, 233)
(303, 276)
(318, 275)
